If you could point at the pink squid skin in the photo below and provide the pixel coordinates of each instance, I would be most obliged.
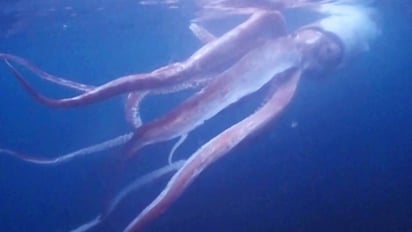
(224, 142)
(248, 75)
(259, 27)
(208, 60)
(272, 58)
(214, 150)
(308, 42)
(255, 54)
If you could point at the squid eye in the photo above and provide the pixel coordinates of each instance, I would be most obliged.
(323, 51)
(329, 53)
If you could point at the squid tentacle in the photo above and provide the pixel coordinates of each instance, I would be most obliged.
(132, 187)
(117, 141)
(175, 147)
(215, 149)
(132, 108)
(264, 62)
(134, 99)
(201, 33)
(209, 59)
(47, 76)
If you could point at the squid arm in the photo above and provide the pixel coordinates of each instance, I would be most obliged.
(201, 33)
(117, 141)
(211, 57)
(252, 72)
(132, 187)
(215, 149)
(134, 99)
(46, 76)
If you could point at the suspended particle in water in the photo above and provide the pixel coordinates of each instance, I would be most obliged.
(294, 124)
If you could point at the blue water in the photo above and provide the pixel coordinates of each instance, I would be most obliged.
(346, 166)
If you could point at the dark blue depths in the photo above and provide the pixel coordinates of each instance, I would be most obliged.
(345, 166)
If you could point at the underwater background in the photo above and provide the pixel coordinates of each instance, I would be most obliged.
(338, 159)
